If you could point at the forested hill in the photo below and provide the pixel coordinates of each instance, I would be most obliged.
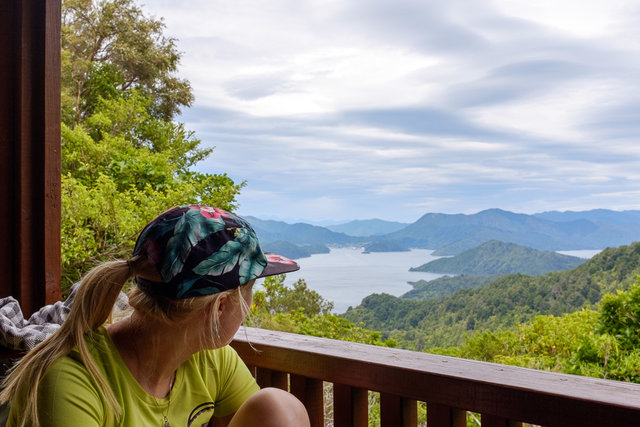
(504, 302)
(446, 285)
(495, 257)
(294, 251)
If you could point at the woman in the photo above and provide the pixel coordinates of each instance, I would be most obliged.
(168, 363)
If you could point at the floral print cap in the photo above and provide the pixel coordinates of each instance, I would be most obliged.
(200, 250)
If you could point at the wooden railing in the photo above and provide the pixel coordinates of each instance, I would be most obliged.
(503, 395)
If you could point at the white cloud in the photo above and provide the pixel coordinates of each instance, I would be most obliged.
(449, 106)
(555, 115)
(580, 18)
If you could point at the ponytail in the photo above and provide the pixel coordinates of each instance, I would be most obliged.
(91, 308)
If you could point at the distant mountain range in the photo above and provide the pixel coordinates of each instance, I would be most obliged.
(368, 227)
(495, 257)
(595, 215)
(299, 233)
(451, 234)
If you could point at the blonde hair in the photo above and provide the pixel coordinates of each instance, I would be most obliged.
(92, 307)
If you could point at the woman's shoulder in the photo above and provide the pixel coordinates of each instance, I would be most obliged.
(71, 392)
(70, 369)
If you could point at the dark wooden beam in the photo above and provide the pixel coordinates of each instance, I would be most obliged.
(30, 144)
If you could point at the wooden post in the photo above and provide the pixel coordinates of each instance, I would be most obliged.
(350, 406)
(269, 378)
(494, 421)
(396, 411)
(445, 416)
(311, 394)
(30, 158)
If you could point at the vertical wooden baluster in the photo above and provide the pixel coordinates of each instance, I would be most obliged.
(488, 420)
(395, 411)
(263, 377)
(409, 413)
(360, 407)
(252, 370)
(445, 416)
(390, 410)
(350, 406)
(280, 380)
(311, 393)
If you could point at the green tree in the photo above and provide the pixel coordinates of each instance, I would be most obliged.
(277, 298)
(602, 343)
(110, 47)
(124, 157)
(301, 310)
(620, 317)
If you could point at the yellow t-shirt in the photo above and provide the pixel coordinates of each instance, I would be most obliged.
(211, 381)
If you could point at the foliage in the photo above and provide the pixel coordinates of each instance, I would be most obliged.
(446, 285)
(303, 311)
(503, 303)
(277, 298)
(110, 47)
(603, 343)
(620, 317)
(124, 158)
(495, 257)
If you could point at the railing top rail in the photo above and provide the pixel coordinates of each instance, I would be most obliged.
(508, 391)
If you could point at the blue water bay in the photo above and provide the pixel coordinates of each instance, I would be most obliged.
(346, 275)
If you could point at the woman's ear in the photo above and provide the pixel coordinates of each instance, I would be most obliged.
(215, 305)
(223, 302)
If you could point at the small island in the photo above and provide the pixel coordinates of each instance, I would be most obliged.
(293, 251)
(495, 257)
(384, 246)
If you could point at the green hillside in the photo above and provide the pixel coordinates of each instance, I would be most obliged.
(495, 257)
(446, 285)
(292, 251)
(509, 300)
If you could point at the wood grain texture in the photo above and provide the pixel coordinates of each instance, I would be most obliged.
(30, 161)
(350, 406)
(508, 392)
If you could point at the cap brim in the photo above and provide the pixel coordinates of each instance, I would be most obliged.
(277, 264)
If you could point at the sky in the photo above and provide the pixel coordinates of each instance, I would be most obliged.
(334, 110)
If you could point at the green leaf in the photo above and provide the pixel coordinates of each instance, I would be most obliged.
(187, 233)
(222, 261)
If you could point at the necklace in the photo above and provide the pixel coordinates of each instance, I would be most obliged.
(165, 414)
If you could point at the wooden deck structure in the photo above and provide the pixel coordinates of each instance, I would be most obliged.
(505, 396)
(30, 269)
